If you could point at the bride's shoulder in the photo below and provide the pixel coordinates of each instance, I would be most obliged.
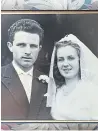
(86, 82)
(88, 85)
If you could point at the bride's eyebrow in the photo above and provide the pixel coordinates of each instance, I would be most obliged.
(71, 55)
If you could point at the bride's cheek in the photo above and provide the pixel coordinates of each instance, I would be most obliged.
(59, 65)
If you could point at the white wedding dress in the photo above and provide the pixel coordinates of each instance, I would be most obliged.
(80, 104)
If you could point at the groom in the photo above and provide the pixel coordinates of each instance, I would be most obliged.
(22, 94)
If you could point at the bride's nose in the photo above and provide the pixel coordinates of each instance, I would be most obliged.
(65, 63)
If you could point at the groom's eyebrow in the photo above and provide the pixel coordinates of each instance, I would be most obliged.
(33, 45)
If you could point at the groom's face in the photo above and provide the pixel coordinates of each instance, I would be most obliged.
(25, 48)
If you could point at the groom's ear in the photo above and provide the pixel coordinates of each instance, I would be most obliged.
(10, 46)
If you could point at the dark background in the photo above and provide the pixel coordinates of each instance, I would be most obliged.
(56, 26)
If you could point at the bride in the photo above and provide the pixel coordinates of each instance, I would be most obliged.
(73, 81)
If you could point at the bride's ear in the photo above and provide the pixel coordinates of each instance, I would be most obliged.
(40, 47)
(10, 46)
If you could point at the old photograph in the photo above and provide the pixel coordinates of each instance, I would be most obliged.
(49, 67)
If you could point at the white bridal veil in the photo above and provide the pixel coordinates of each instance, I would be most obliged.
(88, 65)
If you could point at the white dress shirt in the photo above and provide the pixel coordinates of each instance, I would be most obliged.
(25, 78)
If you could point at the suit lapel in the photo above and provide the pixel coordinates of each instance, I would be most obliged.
(37, 95)
(13, 83)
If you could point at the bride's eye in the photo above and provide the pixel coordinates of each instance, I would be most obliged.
(60, 59)
(71, 57)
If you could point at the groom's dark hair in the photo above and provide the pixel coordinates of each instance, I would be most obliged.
(26, 25)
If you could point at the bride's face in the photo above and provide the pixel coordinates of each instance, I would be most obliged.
(68, 62)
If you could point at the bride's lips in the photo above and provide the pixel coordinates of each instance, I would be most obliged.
(67, 69)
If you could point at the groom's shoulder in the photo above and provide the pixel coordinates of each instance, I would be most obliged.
(6, 69)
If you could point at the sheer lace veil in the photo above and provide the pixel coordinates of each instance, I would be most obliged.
(88, 65)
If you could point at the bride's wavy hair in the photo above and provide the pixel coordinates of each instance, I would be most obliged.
(59, 79)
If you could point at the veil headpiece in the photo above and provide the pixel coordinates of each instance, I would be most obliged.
(88, 65)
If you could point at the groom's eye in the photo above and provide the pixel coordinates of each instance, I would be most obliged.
(21, 44)
(33, 46)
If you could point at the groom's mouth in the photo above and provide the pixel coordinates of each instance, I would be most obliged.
(27, 58)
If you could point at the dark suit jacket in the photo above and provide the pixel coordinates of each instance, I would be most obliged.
(14, 102)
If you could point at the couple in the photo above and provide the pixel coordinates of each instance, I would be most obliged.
(72, 86)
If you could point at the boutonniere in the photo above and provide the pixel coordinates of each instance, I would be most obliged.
(43, 78)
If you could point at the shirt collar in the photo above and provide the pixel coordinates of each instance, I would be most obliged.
(20, 71)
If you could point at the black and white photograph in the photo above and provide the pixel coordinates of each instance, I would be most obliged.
(49, 67)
